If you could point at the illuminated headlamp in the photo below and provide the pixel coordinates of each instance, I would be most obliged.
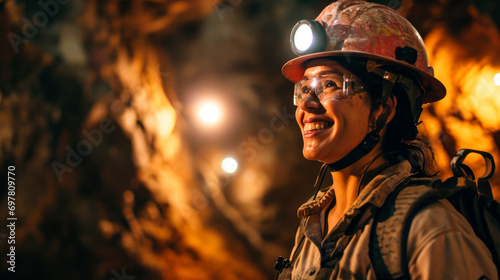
(308, 36)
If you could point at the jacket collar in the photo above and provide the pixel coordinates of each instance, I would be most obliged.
(374, 193)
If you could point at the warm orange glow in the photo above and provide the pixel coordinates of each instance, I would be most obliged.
(469, 115)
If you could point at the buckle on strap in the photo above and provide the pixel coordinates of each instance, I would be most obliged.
(281, 263)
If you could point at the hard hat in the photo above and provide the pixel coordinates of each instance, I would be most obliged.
(350, 29)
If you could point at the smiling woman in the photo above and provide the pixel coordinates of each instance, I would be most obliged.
(359, 98)
(328, 117)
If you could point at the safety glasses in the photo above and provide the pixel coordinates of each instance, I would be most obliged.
(328, 86)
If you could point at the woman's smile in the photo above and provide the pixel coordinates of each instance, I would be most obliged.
(314, 126)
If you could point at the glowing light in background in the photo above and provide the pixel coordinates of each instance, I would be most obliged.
(210, 113)
(229, 165)
(496, 79)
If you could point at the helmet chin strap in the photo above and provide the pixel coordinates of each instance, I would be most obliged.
(372, 138)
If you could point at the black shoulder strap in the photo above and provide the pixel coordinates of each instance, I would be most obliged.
(391, 226)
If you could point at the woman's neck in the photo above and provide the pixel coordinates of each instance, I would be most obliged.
(349, 182)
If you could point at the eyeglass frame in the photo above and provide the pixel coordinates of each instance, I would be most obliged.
(299, 95)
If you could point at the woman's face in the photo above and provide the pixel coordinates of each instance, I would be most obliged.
(331, 128)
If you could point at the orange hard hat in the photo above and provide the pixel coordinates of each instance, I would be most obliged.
(350, 29)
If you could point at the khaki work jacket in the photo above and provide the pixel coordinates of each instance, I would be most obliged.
(441, 243)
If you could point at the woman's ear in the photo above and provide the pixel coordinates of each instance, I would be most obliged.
(390, 109)
(391, 104)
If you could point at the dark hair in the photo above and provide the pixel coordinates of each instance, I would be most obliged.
(401, 140)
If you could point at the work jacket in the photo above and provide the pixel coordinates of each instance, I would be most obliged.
(441, 243)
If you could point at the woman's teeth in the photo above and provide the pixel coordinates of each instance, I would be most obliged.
(315, 126)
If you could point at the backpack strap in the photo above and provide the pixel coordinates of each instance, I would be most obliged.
(391, 227)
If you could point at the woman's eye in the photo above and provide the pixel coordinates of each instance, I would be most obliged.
(330, 84)
(306, 90)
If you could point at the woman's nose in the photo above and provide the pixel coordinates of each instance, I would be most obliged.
(310, 101)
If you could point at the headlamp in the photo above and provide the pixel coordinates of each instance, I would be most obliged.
(308, 36)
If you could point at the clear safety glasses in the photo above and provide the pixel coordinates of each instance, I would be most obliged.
(329, 86)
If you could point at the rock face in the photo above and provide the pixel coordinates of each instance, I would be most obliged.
(115, 178)
(107, 187)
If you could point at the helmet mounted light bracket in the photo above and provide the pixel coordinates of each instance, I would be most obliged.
(406, 54)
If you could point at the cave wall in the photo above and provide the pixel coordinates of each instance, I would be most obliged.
(106, 186)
